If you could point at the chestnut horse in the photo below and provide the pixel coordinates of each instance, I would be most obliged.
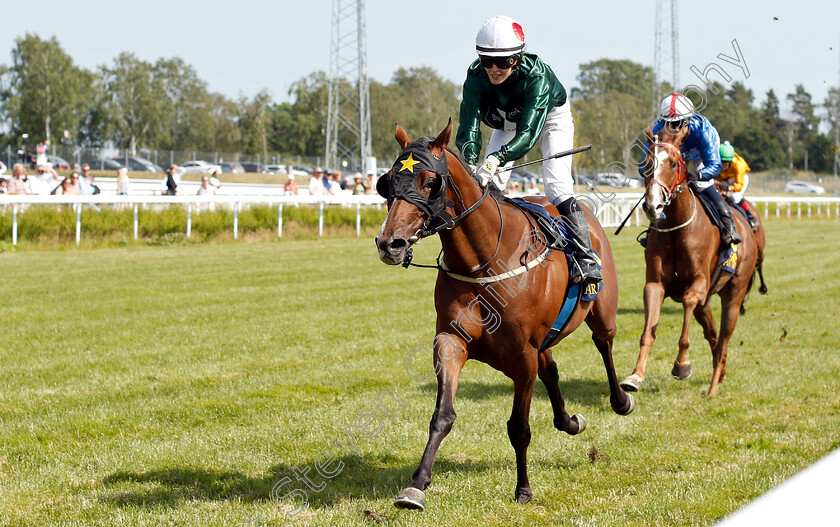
(681, 255)
(497, 294)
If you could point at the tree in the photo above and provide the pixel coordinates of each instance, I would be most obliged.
(43, 91)
(133, 108)
(254, 122)
(186, 109)
(758, 148)
(805, 126)
(298, 127)
(598, 77)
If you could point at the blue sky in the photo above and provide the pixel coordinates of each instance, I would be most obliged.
(241, 47)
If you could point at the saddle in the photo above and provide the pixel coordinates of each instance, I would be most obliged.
(553, 230)
(727, 255)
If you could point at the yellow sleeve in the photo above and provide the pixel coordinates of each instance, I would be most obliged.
(740, 169)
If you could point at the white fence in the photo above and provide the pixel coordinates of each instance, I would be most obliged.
(610, 210)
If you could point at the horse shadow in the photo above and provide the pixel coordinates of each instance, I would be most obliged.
(368, 476)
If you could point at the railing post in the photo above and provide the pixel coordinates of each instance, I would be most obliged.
(78, 223)
(189, 219)
(136, 223)
(358, 219)
(798, 210)
(14, 223)
(321, 219)
(280, 221)
(235, 220)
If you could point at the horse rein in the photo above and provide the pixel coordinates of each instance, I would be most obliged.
(682, 173)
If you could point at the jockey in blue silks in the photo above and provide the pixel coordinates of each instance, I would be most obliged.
(702, 145)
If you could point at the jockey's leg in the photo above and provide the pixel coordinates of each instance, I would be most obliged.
(729, 234)
(558, 134)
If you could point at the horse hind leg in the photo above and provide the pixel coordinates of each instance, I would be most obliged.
(763, 287)
(622, 402)
(572, 425)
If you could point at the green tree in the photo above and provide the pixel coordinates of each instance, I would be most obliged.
(298, 127)
(758, 148)
(254, 123)
(133, 108)
(43, 92)
(805, 126)
(186, 109)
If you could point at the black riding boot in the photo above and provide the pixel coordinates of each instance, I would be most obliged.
(750, 217)
(729, 234)
(578, 231)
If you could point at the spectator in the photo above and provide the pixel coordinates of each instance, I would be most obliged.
(62, 188)
(45, 180)
(73, 187)
(359, 187)
(123, 183)
(41, 151)
(316, 185)
(291, 186)
(85, 184)
(371, 188)
(172, 181)
(533, 188)
(336, 184)
(206, 189)
(327, 182)
(17, 183)
(4, 186)
(215, 182)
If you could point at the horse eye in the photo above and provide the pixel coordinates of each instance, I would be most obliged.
(673, 164)
(430, 182)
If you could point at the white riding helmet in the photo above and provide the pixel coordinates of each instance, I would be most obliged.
(676, 107)
(501, 36)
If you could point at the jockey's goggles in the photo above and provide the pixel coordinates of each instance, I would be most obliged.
(502, 63)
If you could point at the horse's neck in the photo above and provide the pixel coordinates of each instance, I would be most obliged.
(681, 209)
(474, 240)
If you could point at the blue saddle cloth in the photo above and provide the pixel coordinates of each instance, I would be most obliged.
(728, 255)
(556, 236)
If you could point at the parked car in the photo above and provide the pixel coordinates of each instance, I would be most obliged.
(253, 167)
(202, 167)
(803, 187)
(233, 167)
(276, 169)
(138, 164)
(299, 170)
(103, 164)
(617, 180)
(525, 178)
(58, 163)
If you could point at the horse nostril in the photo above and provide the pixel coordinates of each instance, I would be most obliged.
(398, 244)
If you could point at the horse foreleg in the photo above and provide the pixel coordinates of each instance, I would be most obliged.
(448, 364)
(729, 317)
(519, 431)
(691, 299)
(622, 402)
(549, 376)
(654, 296)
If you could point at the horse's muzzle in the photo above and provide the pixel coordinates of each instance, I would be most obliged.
(392, 251)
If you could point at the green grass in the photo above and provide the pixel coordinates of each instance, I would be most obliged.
(175, 385)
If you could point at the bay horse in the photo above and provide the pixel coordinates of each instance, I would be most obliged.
(681, 255)
(496, 297)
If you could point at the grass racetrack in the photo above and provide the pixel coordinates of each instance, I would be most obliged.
(177, 385)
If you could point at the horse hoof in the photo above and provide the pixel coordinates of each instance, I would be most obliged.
(763, 290)
(681, 372)
(631, 383)
(523, 496)
(629, 407)
(411, 498)
(581, 423)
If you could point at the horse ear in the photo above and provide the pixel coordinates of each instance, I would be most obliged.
(439, 145)
(401, 136)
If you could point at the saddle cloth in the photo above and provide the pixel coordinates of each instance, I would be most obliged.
(556, 236)
(728, 255)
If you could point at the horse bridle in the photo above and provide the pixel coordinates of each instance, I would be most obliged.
(682, 173)
(391, 187)
(435, 206)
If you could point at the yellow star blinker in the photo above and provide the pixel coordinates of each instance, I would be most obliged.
(408, 163)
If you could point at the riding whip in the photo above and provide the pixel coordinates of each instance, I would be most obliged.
(628, 215)
(555, 156)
